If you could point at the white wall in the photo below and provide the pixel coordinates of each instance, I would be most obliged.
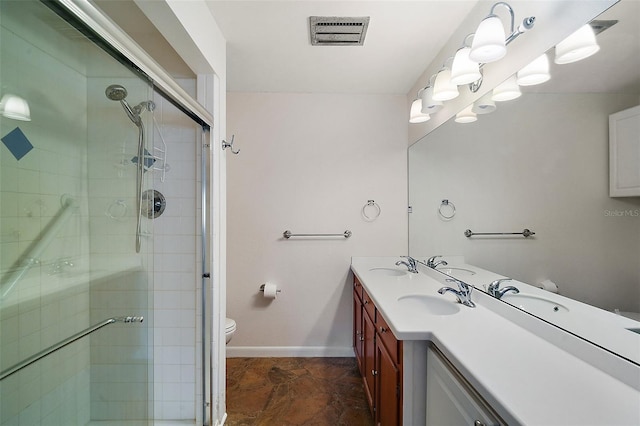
(540, 162)
(308, 163)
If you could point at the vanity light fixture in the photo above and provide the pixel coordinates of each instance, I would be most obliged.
(536, 72)
(466, 115)
(416, 115)
(507, 90)
(463, 69)
(488, 45)
(579, 45)
(484, 105)
(430, 105)
(489, 42)
(443, 88)
(15, 107)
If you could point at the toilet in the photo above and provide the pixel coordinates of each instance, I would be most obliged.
(230, 328)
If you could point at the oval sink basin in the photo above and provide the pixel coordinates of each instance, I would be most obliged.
(391, 272)
(455, 271)
(429, 304)
(534, 304)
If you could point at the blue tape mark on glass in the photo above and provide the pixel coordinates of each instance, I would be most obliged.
(17, 143)
(148, 160)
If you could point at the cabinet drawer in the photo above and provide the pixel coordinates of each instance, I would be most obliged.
(388, 339)
(368, 305)
(357, 287)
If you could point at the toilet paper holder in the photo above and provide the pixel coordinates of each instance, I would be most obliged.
(262, 289)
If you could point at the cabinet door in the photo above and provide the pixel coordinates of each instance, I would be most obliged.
(369, 351)
(358, 335)
(624, 153)
(387, 388)
(450, 401)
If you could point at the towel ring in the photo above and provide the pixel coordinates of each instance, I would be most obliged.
(372, 215)
(451, 213)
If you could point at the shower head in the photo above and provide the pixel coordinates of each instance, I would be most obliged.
(115, 92)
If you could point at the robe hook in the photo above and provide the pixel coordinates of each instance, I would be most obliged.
(226, 145)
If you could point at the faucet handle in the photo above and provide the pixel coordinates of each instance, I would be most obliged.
(432, 260)
(495, 285)
(462, 286)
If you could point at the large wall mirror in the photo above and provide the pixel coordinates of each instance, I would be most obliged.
(542, 162)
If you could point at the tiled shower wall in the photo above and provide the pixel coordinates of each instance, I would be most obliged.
(50, 302)
(178, 265)
(168, 262)
(121, 281)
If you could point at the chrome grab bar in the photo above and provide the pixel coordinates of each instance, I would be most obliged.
(53, 348)
(32, 255)
(525, 233)
(289, 234)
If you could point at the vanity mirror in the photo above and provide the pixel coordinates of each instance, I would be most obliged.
(541, 162)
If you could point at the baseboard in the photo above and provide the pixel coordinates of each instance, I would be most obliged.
(289, 351)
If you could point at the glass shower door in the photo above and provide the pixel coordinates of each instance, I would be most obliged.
(73, 287)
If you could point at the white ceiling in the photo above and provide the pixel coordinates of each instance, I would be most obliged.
(268, 47)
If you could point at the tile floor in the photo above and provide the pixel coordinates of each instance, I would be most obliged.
(295, 391)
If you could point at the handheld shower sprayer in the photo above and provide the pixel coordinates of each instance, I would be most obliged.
(116, 92)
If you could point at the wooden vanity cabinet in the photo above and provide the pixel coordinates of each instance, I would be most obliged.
(379, 357)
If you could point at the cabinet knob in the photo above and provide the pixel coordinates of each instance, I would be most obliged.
(374, 373)
(366, 302)
(478, 423)
(361, 338)
(383, 330)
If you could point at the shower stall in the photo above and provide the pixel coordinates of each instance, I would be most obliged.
(103, 271)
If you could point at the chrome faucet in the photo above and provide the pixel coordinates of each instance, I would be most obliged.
(431, 262)
(497, 292)
(463, 293)
(410, 263)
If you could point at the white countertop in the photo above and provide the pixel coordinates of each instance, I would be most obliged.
(527, 379)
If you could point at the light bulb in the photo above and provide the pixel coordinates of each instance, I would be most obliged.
(536, 72)
(484, 105)
(430, 105)
(443, 88)
(466, 115)
(463, 69)
(488, 41)
(579, 45)
(416, 115)
(507, 90)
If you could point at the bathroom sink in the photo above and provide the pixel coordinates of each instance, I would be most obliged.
(390, 272)
(534, 304)
(456, 271)
(428, 304)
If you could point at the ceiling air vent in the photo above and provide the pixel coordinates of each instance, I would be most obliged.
(338, 30)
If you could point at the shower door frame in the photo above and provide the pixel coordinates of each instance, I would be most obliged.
(122, 47)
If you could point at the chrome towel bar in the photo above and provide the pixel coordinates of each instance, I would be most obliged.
(53, 348)
(289, 234)
(525, 233)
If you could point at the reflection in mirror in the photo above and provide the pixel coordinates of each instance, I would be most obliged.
(541, 162)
